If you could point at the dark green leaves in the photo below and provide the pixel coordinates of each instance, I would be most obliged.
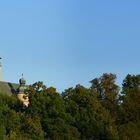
(100, 112)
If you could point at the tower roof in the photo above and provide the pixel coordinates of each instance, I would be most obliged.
(8, 88)
(22, 81)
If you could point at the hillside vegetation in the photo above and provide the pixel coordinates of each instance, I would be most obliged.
(104, 111)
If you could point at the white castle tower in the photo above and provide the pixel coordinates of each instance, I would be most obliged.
(0, 71)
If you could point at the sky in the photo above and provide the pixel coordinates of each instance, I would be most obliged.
(69, 42)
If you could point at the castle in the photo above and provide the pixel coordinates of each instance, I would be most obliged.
(13, 88)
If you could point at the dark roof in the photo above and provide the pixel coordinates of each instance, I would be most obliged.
(8, 88)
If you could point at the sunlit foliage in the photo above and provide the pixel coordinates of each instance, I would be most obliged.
(103, 111)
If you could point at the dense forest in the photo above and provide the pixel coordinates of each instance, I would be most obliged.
(104, 111)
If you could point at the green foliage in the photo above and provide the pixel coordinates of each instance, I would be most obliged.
(131, 98)
(96, 113)
(90, 117)
(129, 131)
(50, 107)
(130, 118)
(107, 91)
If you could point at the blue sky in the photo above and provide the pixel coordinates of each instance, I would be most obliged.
(67, 42)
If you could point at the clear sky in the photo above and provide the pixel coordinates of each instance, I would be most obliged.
(69, 42)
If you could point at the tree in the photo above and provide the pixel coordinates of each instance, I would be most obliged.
(131, 98)
(50, 107)
(130, 118)
(92, 120)
(107, 91)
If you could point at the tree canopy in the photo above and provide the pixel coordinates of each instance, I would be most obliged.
(104, 111)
